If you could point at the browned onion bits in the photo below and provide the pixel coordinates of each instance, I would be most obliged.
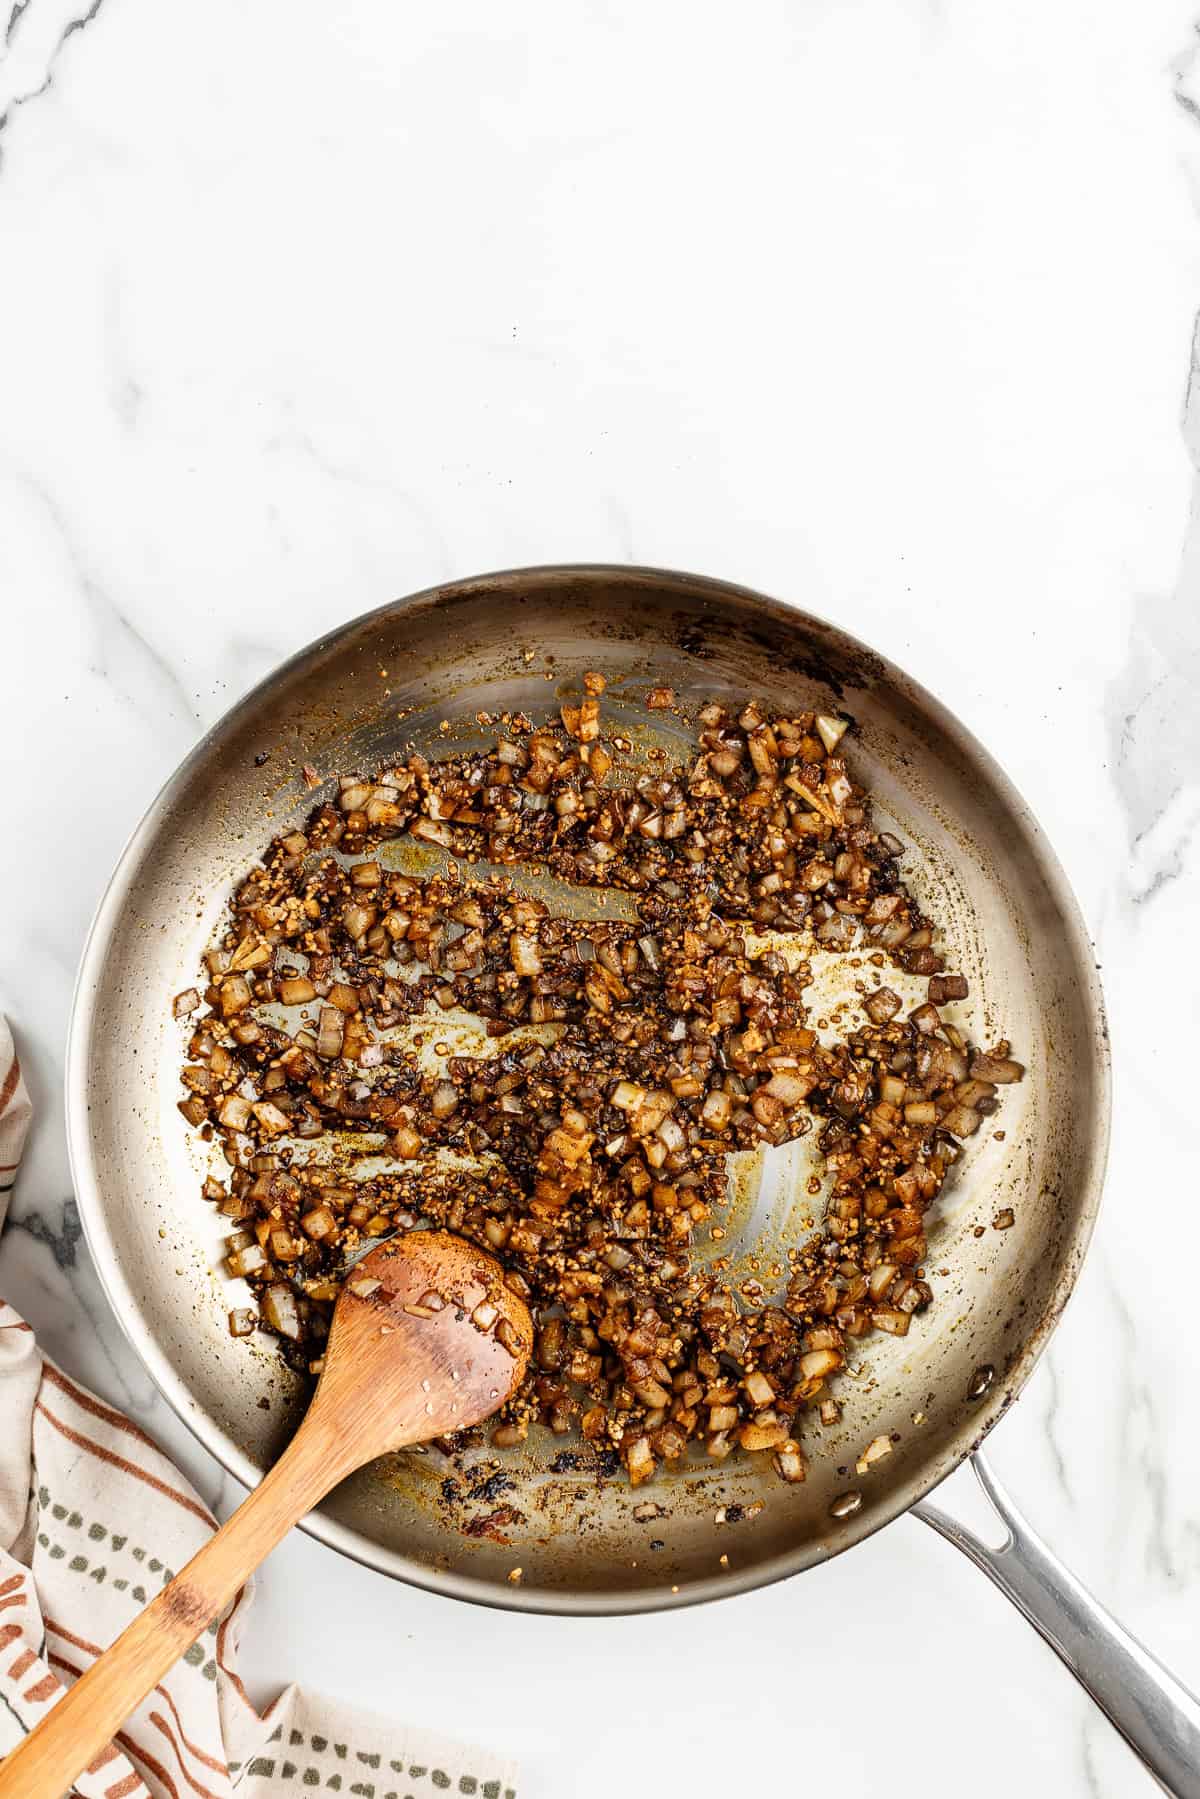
(626, 1056)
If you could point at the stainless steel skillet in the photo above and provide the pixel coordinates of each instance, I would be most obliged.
(422, 669)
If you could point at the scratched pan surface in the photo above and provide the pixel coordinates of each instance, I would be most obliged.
(523, 640)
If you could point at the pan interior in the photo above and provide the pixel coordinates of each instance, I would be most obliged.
(396, 680)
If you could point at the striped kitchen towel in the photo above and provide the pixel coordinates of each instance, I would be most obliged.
(15, 1111)
(93, 1521)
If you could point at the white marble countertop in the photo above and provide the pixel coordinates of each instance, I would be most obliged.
(884, 308)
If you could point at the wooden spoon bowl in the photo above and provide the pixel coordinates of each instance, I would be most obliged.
(430, 1299)
(426, 1339)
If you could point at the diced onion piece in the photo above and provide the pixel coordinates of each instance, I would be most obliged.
(296, 990)
(250, 1259)
(789, 1463)
(651, 1392)
(831, 730)
(330, 1032)
(234, 1112)
(235, 995)
(280, 1311)
(881, 1278)
(251, 952)
(670, 1132)
(319, 1223)
(430, 832)
(759, 1389)
(651, 953)
(639, 1460)
(756, 1435)
(270, 1117)
(358, 920)
(717, 1110)
(790, 1088)
(443, 1100)
(523, 953)
(508, 1336)
(1000, 1069)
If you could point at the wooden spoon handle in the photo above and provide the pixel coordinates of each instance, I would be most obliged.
(89, 1714)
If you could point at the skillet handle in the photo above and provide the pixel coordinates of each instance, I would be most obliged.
(1155, 1713)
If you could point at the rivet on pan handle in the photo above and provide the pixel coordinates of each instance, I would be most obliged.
(1155, 1713)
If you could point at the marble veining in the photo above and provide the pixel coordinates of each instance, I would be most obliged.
(36, 60)
(888, 309)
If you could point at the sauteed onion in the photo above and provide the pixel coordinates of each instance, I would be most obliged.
(627, 1054)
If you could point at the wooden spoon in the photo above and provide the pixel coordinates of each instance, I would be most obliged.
(426, 1339)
